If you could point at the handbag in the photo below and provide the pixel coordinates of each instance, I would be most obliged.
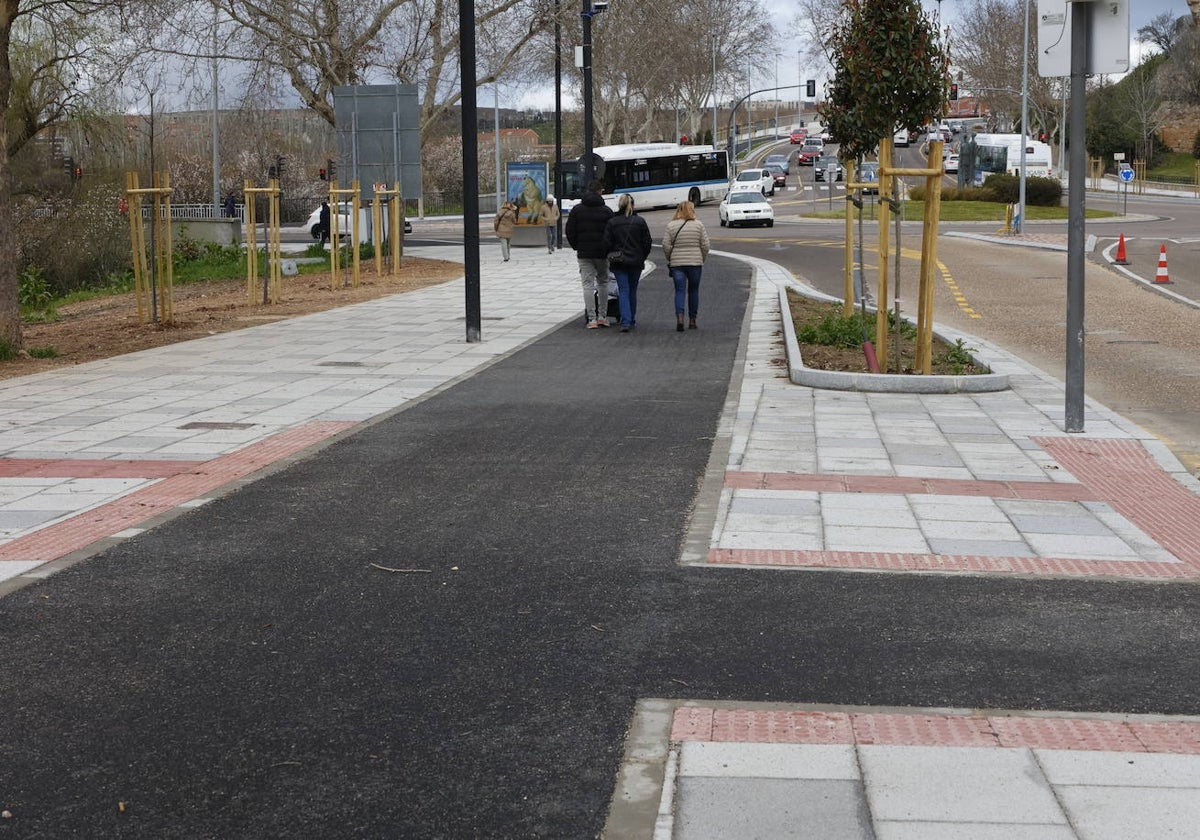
(615, 257)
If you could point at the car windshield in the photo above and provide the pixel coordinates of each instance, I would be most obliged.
(826, 161)
(776, 158)
(746, 198)
(774, 168)
(750, 175)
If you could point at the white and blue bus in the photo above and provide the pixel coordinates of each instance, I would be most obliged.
(655, 174)
(1001, 153)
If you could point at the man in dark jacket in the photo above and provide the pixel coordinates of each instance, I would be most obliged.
(585, 233)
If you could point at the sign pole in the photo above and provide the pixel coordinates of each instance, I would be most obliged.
(1075, 219)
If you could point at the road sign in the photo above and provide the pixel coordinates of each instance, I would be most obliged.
(869, 175)
(1126, 175)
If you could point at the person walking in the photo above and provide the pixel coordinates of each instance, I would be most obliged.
(685, 245)
(585, 228)
(506, 218)
(629, 235)
(549, 216)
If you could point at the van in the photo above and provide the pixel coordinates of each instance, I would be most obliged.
(901, 137)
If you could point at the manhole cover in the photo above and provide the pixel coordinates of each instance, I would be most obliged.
(204, 424)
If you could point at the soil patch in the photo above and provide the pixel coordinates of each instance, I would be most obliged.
(948, 359)
(104, 327)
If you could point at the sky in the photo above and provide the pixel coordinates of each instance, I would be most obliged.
(791, 73)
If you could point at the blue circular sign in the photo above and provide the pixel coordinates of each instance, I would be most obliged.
(1126, 175)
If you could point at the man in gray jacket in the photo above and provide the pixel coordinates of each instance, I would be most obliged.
(585, 234)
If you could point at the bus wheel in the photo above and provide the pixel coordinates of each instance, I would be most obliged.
(694, 196)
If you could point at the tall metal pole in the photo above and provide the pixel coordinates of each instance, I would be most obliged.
(714, 90)
(558, 186)
(501, 192)
(776, 95)
(587, 169)
(1075, 218)
(1024, 120)
(470, 134)
(216, 123)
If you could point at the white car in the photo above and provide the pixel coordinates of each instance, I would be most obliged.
(344, 223)
(759, 179)
(951, 165)
(745, 207)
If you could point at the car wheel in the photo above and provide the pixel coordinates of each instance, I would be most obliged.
(694, 196)
(771, 223)
(722, 223)
(316, 231)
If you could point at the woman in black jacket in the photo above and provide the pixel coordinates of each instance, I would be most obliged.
(630, 235)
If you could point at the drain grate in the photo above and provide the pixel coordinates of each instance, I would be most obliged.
(207, 424)
(1132, 341)
(340, 364)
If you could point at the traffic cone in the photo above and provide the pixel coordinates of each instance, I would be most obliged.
(1161, 276)
(1121, 252)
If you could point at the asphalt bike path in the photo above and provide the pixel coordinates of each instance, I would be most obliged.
(438, 626)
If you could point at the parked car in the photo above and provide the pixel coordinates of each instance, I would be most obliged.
(779, 174)
(811, 150)
(799, 135)
(745, 207)
(900, 138)
(754, 179)
(824, 162)
(783, 160)
(951, 165)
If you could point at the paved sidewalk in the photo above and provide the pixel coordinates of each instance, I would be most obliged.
(800, 480)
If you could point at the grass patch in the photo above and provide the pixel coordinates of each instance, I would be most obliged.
(43, 352)
(962, 211)
(1173, 166)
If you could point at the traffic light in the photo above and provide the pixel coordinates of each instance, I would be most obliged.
(77, 175)
(69, 167)
(331, 167)
(810, 89)
(954, 91)
(322, 174)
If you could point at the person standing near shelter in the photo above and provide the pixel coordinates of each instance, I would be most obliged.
(629, 235)
(230, 206)
(506, 219)
(549, 216)
(324, 222)
(685, 245)
(585, 233)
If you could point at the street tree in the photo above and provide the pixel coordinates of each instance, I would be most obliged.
(889, 71)
(51, 51)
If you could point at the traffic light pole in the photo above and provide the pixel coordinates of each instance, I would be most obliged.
(732, 162)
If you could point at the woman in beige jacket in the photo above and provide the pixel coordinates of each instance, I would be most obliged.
(506, 218)
(549, 217)
(685, 244)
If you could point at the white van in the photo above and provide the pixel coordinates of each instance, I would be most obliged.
(901, 137)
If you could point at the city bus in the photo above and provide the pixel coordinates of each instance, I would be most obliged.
(1002, 153)
(655, 174)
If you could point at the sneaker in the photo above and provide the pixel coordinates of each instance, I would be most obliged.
(591, 325)
(624, 329)
(602, 322)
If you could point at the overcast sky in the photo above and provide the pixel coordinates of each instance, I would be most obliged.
(791, 73)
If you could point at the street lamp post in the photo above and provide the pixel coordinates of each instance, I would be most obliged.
(588, 10)
(1024, 121)
(776, 95)
(713, 138)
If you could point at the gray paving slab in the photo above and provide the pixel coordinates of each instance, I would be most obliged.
(770, 809)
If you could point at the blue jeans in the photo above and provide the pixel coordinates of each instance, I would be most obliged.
(551, 233)
(627, 283)
(687, 285)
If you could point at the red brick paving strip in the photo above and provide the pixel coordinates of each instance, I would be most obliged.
(129, 511)
(698, 723)
(1037, 490)
(91, 468)
(896, 562)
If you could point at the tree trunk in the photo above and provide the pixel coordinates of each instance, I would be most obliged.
(10, 307)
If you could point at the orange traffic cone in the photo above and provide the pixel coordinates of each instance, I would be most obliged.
(1121, 252)
(1161, 276)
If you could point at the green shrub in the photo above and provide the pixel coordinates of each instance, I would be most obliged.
(837, 331)
(33, 291)
(43, 352)
(957, 359)
(1196, 146)
(1002, 188)
(1043, 192)
(76, 241)
(7, 351)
